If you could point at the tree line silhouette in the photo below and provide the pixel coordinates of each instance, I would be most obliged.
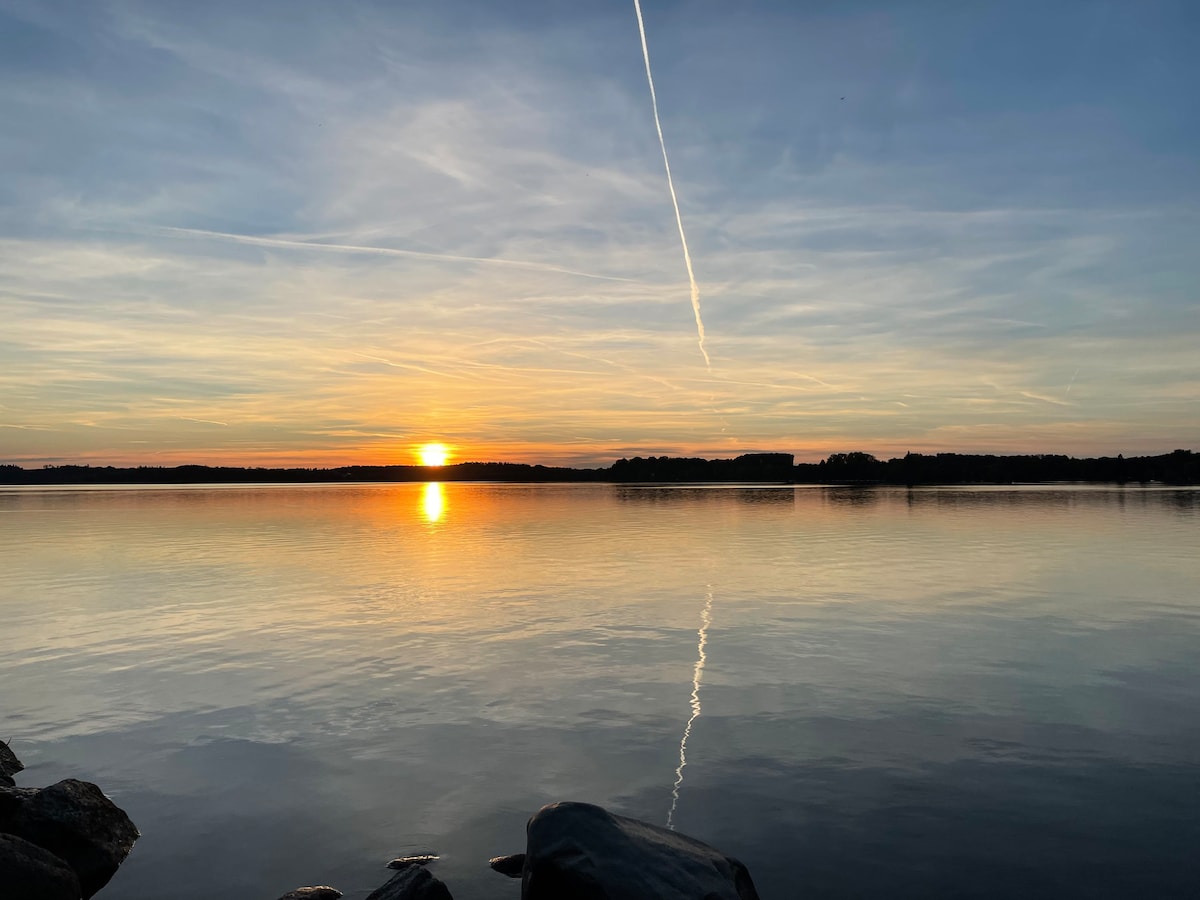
(1179, 467)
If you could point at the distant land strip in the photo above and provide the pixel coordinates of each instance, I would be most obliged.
(1181, 467)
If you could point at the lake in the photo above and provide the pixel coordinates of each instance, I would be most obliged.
(986, 692)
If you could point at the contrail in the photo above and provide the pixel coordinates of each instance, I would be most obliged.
(687, 257)
(702, 639)
(1072, 384)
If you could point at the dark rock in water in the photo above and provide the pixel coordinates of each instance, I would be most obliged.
(512, 866)
(582, 852)
(420, 859)
(74, 821)
(34, 873)
(9, 765)
(321, 892)
(412, 883)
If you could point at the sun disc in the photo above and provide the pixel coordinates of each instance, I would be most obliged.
(433, 454)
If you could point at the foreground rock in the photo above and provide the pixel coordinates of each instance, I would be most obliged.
(413, 882)
(577, 851)
(74, 821)
(9, 765)
(582, 852)
(28, 871)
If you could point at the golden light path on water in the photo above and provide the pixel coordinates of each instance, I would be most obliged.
(697, 674)
(433, 501)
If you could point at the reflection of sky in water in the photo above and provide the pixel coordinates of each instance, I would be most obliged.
(931, 692)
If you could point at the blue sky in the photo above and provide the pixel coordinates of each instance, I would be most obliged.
(330, 232)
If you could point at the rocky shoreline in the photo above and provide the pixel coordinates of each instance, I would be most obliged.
(67, 840)
(62, 842)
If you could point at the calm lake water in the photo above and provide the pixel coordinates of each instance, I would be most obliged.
(930, 693)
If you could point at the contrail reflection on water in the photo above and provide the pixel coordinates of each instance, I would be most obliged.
(697, 674)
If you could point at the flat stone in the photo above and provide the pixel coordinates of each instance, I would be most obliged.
(512, 866)
(419, 859)
(583, 852)
(30, 872)
(320, 892)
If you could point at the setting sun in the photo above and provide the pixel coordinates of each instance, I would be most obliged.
(433, 454)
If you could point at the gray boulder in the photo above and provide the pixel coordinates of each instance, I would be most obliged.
(413, 882)
(582, 852)
(75, 822)
(320, 892)
(32, 873)
(9, 765)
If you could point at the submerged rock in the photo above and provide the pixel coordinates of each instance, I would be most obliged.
(320, 892)
(74, 821)
(413, 882)
(9, 765)
(32, 872)
(582, 852)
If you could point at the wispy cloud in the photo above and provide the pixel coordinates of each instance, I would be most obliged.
(259, 241)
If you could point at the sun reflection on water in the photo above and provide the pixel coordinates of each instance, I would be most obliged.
(433, 501)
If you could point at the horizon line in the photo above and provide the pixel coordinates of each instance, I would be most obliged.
(477, 462)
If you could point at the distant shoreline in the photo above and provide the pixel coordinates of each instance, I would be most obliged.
(1181, 467)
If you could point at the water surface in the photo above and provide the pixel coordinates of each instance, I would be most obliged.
(905, 693)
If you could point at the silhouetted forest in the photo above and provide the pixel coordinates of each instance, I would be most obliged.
(1179, 467)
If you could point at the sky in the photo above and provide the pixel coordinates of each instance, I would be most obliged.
(325, 233)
